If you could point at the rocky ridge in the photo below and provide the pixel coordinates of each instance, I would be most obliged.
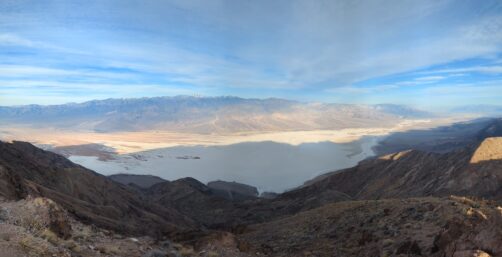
(399, 204)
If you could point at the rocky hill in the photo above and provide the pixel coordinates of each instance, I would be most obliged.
(473, 171)
(441, 139)
(143, 181)
(196, 200)
(434, 227)
(39, 227)
(233, 190)
(26, 170)
(394, 205)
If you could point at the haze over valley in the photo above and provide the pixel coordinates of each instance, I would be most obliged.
(236, 128)
(211, 138)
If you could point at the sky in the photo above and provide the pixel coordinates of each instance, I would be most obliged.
(427, 54)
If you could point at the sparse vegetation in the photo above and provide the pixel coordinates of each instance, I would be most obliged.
(377, 208)
(5, 236)
(187, 252)
(50, 236)
(212, 254)
(108, 249)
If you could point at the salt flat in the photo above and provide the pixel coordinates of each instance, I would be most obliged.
(272, 161)
(269, 166)
(129, 142)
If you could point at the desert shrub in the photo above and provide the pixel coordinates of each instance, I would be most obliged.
(212, 254)
(187, 252)
(108, 249)
(50, 236)
(30, 245)
(5, 237)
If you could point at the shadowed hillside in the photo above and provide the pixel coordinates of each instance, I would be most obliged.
(27, 170)
(469, 171)
(395, 205)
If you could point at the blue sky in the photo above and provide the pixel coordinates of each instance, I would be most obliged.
(428, 54)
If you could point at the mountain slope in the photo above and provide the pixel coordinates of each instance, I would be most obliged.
(233, 190)
(441, 139)
(205, 115)
(433, 227)
(362, 211)
(143, 181)
(474, 171)
(198, 201)
(93, 198)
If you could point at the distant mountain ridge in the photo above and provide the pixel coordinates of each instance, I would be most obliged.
(206, 115)
(441, 139)
(485, 109)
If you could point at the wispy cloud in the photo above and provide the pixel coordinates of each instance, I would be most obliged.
(13, 40)
(497, 69)
(429, 78)
(293, 48)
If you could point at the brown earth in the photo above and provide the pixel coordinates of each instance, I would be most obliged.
(452, 226)
(394, 205)
(93, 198)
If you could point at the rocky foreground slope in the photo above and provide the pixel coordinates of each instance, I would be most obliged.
(39, 227)
(453, 226)
(395, 205)
(26, 170)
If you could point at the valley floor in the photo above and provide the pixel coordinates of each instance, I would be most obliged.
(129, 142)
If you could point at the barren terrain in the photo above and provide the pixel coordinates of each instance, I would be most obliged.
(128, 142)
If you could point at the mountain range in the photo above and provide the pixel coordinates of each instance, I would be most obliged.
(206, 115)
(407, 203)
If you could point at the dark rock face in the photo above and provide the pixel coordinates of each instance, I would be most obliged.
(194, 199)
(233, 190)
(494, 129)
(442, 139)
(201, 203)
(269, 195)
(142, 181)
(28, 170)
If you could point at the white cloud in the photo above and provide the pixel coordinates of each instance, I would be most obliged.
(430, 78)
(261, 44)
(10, 39)
(489, 69)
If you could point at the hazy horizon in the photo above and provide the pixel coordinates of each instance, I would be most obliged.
(445, 110)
